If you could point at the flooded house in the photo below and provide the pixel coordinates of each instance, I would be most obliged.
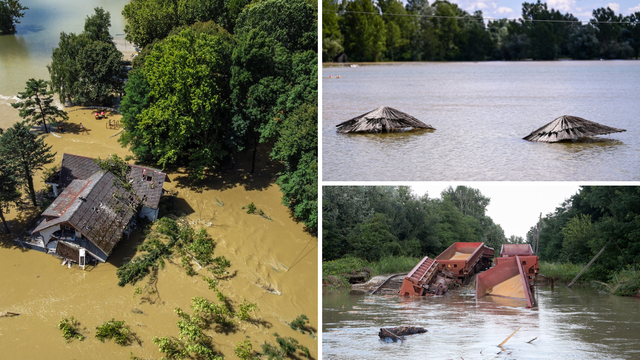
(94, 209)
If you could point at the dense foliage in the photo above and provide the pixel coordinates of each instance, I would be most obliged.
(10, 13)
(368, 222)
(9, 185)
(36, 104)
(26, 152)
(87, 68)
(595, 217)
(217, 78)
(70, 329)
(116, 330)
(443, 31)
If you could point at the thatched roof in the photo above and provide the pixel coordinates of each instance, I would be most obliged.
(569, 127)
(382, 119)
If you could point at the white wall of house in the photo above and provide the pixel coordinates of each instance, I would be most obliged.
(46, 233)
(151, 214)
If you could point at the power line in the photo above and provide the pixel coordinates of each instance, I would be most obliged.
(481, 18)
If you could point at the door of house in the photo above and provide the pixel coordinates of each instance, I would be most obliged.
(81, 260)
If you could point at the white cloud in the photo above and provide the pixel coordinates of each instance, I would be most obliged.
(614, 6)
(503, 10)
(562, 5)
(633, 9)
(481, 6)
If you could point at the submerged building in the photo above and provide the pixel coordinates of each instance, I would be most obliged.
(94, 209)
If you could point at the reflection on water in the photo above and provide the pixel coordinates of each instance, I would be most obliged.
(481, 112)
(566, 324)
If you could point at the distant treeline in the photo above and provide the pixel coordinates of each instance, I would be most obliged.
(582, 225)
(446, 32)
(371, 222)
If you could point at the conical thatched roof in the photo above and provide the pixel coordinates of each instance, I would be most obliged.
(569, 127)
(382, 119)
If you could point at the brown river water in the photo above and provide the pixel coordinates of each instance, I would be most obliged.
(578, 323)
(263, 253)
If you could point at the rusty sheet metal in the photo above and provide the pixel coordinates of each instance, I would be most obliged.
(507, 270)
(531, 264)
(516, 249)
(420, 276)
(461, 266)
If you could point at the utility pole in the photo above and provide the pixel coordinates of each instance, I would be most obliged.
(537, 244)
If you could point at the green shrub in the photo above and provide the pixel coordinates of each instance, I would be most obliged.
(116, 330)
(70, 329)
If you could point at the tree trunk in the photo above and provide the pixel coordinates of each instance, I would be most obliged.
(4, 222)
(32, 191)
(44, 120)
(253, 160)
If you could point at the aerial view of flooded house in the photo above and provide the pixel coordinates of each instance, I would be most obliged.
(93, 209)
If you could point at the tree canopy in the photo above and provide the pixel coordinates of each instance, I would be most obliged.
(202, 92)
(581, 226)
(10, 13)
(9, 185)
(444, 31)
(87, 68)
(370, 221)
(36, 105)
(26, 152)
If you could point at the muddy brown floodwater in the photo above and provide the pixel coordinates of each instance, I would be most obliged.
(278, 254)
(578, 323)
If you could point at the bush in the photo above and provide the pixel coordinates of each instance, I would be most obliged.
(70, 329)
(566, 272)
(116, 330)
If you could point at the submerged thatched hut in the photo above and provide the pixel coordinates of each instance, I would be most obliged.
(382, 119)
(568, 128)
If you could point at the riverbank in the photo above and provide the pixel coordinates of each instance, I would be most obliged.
(341, 273)
(273, 264)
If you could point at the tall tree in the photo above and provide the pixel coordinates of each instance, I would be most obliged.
(364, 31)
(10, 13)
(331, 36)
(9, 194)
(84, 68)
(37, 104)
(28, 153)
(97, 25)
(187, 119)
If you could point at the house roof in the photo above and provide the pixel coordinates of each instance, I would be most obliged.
(98, 207)
(568, 127)
(146, 182)
(381, 119)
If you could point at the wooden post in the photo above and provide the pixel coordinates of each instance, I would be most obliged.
(586, 267)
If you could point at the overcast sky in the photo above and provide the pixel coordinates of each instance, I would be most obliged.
(582, 9)
(516, 206)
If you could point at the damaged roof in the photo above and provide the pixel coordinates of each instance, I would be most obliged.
(146, 182)
(98, 207)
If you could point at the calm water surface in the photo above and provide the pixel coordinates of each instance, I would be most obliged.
(481, 112)
(567, 324)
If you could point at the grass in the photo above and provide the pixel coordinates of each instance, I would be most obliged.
(626, 282)
(564, 273)
(333, 272)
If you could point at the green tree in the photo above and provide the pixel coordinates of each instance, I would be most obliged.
(26, 152)
(371, 237)
(398, 29)
(97, 25)
(364, 34)
(9, 193)
(85, 69)
(36, 105)
(135, 100)
(188, 116)
(331, 36)
(583, 43)
(10, 13)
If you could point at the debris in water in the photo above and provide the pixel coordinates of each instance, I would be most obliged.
(9, 314)
(396, 333)
(530, 341)
(507, 339)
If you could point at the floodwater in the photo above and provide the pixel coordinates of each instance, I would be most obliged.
(276, 254)
(26, 54)
(578, 323)
(481, 112)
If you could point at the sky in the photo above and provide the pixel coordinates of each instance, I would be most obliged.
(515, 206)
(582, 9)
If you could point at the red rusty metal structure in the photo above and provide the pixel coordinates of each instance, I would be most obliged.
(529, 261)
(416, 283)
(505, 271)
(464, 259)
